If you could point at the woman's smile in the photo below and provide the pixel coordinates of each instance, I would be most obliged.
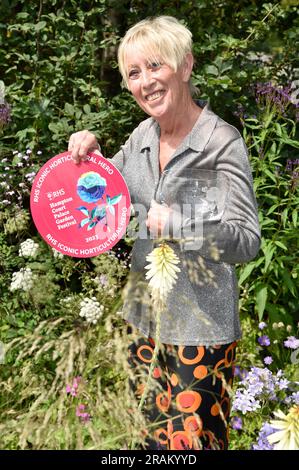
(155, 95)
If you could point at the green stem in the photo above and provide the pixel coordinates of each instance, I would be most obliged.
(154, 359)
(155, 355)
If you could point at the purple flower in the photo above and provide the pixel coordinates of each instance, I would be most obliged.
(72, 389)
(236, 423)
(291, 342)
(262, 325)
(83, 415)
(268, 360)
(295, 398)
(259, 385)
(238, 372)
(275, 97)
(264, 340)
(245, 402)
(263, 443)
(5, 114)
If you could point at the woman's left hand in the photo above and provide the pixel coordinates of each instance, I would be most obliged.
(157, 218)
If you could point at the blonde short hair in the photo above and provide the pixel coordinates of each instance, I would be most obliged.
(158, 38)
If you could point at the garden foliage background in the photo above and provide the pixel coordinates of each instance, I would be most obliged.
(63, 376)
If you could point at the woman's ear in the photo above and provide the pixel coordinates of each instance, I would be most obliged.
(187, 66)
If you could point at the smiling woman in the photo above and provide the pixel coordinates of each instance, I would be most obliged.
(158, 75)
(189, 408)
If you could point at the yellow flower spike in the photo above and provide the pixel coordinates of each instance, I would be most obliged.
(162, 275)
(287, 435)
(162, 271)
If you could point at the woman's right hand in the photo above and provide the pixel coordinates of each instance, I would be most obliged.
(81, 143)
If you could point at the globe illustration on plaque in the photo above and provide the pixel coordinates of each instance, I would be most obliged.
(91, 187)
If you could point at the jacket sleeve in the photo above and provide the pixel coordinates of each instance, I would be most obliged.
(237, 234)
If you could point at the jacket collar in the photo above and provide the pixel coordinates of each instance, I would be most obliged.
(199, 136)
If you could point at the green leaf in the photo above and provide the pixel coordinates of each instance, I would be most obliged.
(40, 25)
(289, 283)
(268, 172)
(295, 218)
(261, 299)
(69, 109)
(269, 251)
(86, 109)
(272, 209)
(291, 142)
(279, 243)
(212, 70)
(22, 15)
(246, 272)
(284, 217)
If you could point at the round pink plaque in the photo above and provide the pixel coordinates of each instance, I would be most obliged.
(80, 210)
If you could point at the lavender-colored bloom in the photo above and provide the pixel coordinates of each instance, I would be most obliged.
(263, 443)
(244, 402)
(236, 423)
(291, 342)
(282, 384)
(262, 325)
(295, 398)
(268, 360)
(274, 96)
(292, 399)
(5, 114)
(238, 372)
(259, 384)
(264, 340)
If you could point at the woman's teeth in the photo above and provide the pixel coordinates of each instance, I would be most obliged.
(154, 96)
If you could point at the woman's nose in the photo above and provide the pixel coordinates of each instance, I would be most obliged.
(147, 78)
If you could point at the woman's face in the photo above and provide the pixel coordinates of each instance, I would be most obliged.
(155, 86)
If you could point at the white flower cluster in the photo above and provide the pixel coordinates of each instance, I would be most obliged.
(22, 279)
(91, 310)
(57, 254)
(28, 248)
(67, 300)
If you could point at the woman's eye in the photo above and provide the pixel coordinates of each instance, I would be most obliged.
(155, 65)
(133, 73)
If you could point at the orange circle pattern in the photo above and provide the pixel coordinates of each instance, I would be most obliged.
(197, 358)
(191, 402)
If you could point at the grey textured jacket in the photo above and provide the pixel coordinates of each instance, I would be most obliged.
(203, 307)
